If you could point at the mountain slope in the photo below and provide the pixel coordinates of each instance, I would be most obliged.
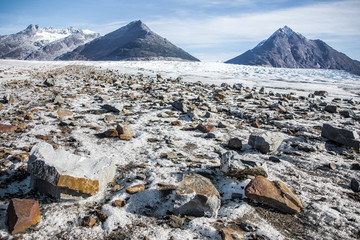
(135, 41)
(38, 43)
(287, 49)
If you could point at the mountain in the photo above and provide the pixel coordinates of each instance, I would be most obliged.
(36, 43)
(135, 41)
(288, 49)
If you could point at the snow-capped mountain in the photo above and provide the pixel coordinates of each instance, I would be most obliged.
(288, 49)
(135, 41)
(38, 43)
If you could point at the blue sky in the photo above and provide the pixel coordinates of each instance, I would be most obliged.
(211, 30)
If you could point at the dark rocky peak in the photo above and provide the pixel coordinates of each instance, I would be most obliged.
(139, 25)
(32, 28)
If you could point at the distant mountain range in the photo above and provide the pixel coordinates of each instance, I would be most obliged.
(135, 41)
(288, 49)
(36, 43)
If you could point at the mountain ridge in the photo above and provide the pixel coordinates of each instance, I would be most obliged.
(134, 41)
(288, 49)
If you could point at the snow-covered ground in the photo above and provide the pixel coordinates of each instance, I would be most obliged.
(331, 208)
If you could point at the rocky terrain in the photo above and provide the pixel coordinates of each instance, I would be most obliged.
(288, 49)
(187, 159)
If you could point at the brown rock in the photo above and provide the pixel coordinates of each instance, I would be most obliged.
(1, 106)
(126, 132)
(88, 221)
(206, 128)
(29, 116)
(119, 203)
(135, 189)
(274, 194)
(176, 123)
(84, 185)
(231, 233)
(111, 133)
(4, 128)
(109, 118)
(124, 137)
(22, 157)
(21, 214)
(176, 222)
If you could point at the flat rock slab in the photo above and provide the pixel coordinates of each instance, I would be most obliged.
(65, 175)
(340, 135)
(196, 196)
(22, 213)
(274, 194)
(5, 128)
(265, 142)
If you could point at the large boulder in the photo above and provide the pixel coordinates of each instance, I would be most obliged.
(232, 165)
(274, 194)
(265, 142)
(65, 175)
(343, 136)
(197, 196)
(21, 214)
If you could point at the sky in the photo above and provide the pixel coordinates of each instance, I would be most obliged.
(211, 30)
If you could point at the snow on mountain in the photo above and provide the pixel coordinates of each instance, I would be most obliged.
(288, 49)
(38, 43)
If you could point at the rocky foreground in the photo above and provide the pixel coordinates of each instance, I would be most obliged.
(99, 154)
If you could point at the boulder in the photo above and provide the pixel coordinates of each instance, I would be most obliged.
(65, 175)
(196, 196)
(22, 213)
(355, 185)
(274, 194)
(233, 166)
(180, 106)
(206, 128)
(235, 144)
(343, 136)
(125, 132)
(332, 109)
(266, 142)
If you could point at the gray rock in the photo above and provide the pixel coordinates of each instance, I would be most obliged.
(196, 196)
(59, 99)
(232, 165)
(238, 86)
(180, 106)
(348, 113)
(321, 93)
(346, 137)
(112, 108)
(193, 114)
(65, 175)
(265, 142)
(235, 144)
(332, 109)
(222, 125)
(355, 185)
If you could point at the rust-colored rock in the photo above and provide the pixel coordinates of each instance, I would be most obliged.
(206, 128)
(274, 194)
(84, 185)
(176, 123)
(111, 133)
(5, 128)
(21, 214)
(119, 203)
(231, 233)
(88, 221)
(135, 189)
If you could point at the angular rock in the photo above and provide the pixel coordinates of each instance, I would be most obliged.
(321, 93)
(266, 142)
(22, 213)
(65, 175)
(112, 108)
(59, 99)
(332, 109)
(50, 82)
(125, 132)
(343, 136)
(88, 221)
(348, 113)
(111, 133)
(180, 106)
(235, 144)
(119, 203)
(206, 128)
(233, 166)
(176, 123)
(274, 194)
(4, 128)
(109, 118)
(63, 113)
(196, 196)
